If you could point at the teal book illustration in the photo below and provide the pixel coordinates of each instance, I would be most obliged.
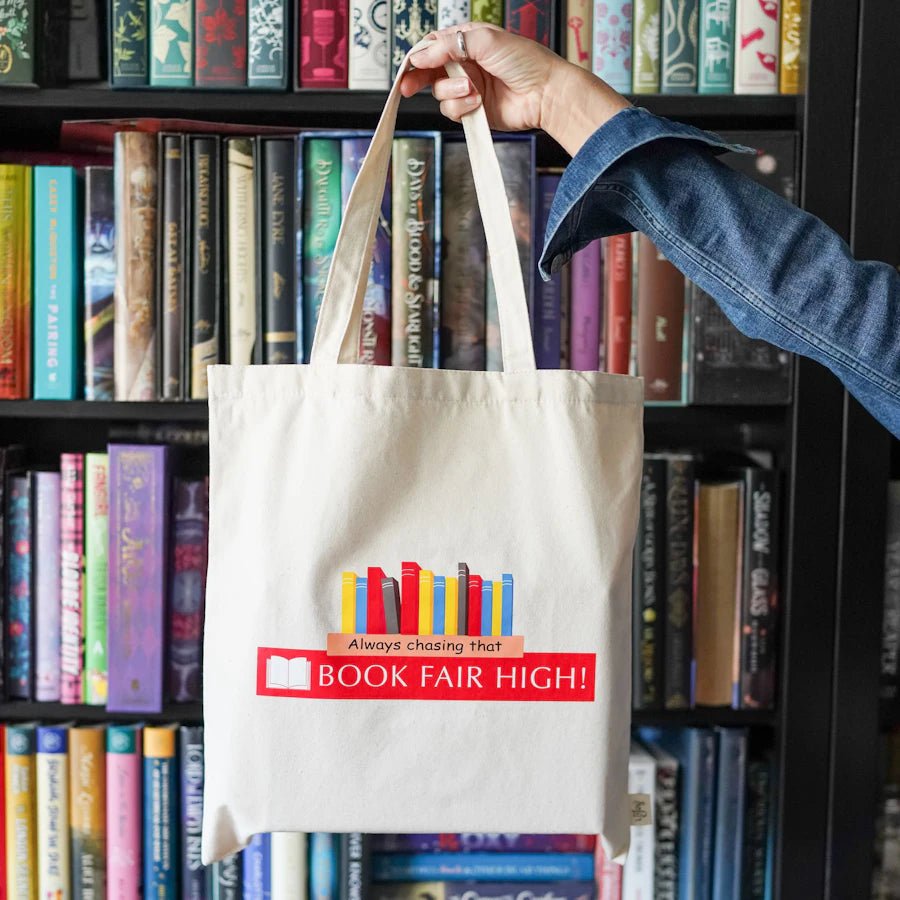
(678, 74)
(411, 20)
(362, 602)
(506, 620)
(716, 46)
(57, 284)
(440, 604)
(172, 43)
(130, 45)
(487, 606)
(266, 30)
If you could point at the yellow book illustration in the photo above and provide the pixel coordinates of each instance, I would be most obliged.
(21, 826)
(497, 610)
(451, 606)
(426, 602)
(792, 74)
(348, 602)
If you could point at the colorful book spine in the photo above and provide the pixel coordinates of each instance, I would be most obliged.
(360, 607)
(375, 606)
(242, 249)
(289, 874)
(160, 801)
(205, 258)
(409, 606)
(96, 557)
(220, 58)
(731, 799)
(645, 77)
(171, 315)
(426, 602)
(678, 72)
(138, 514)
(123, 811)
(87, 811)
(19, 662)
(476, 586)
(587, 280)
(792, 77)
(565, 311)
(609, 877)
(187, 586)
(134, 323)
(612, 43)
(323, 866)
(413, 294)
(355, 878)
(52, 764)
(490, 11)
(533, 19)
(71, 528)
(15, 289)
(129, 34)
(171, 44)
(369, 66)
(487, 607)
(321, 223)
(716, 47)
(483, 843)
(277, 168)
(267, 31)
(453, 12)
(482, 867)
(18, 48)
(257, 874)
(617, 331)
(579, 32)
(227, 881)
(450, 890)
(439, 613)
(323, 36)
(411, 20)
(21, 824)
(46, 613)
(56, 289)
(756, 47)
(194, 875)
(99, 281)
(375, 331)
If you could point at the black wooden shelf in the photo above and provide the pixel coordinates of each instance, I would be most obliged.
(61, 712)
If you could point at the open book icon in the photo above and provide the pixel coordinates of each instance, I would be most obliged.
(289, 675)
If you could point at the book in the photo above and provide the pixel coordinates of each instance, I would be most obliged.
(565, 308)
(640, 865)
(484, 842)
(99, 281)
(123, 811)
(323, 865)
(482, 867)
(533, 19)
(731, 788)
(792, 53)
(227, 879)
(289, 871)
(757, 46)
(87, 810)
(322, 42)
(18, 44)
(138, 516)
(586, 268)
(410, 21)
(171, 292)
(46, 611)
(369, 66)
(645, 56)
(471, 890)
(612, 43)
(267, 34)
(194, 875)
(678, 69)
(187, 586)
(321, 223)
(548, 294)
(453, 12)
(355, 877)
(889, 689)
(715, 71)
(52, 777)
(84, 41)
(205, 255)
(413, 250)
(257, 874)
(665, 822)
(463, 265)
(242, 250)
(426, 602)
(160, 804)
(220, 56)
(16, 288)
(717, 558)
(609, 876)
(96, 568)
(71, 556)
(617, 272)
(579, 32)
(490, 11)
(171, 43)
(130, 43)
(756, 827)
(21, 820)
(11, 460)
(57, 260)
(134, 316)
(18, 657)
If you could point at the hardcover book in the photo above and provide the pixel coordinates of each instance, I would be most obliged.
(490, 11)
(57, 296)
(227, 882)
(194, 875)
(678, 72)
(756, 827)
(99, 282)
(484, 842)
(579, 32)
(171, 43)
(289, 879)
(731, 799)
(472, 890)
(453, 12)
(323, 865)
(890, 622)
(322, 36)
(666, 822)
(220, 58)
(135, 319)
(565, 308)
(171, 292)
(548, 299)
(21, 822)
(534, 19)
(757, 46)
(87, 810)
(16, 288)
(646, 62)
(130, 50)
(267, 29)
(242, 251)
(160, 803)
(71, 531)
(586, 269)
(640, 865)
(482, 867)
(138, 515)
(123, 811)
(84, 41)
(792, 77)
(10, 461)
(19, 661)
(96, 556)
(52, 776)
(411, 20)
(369, 66)
(46, 612)
(716, 47)
(355, 875)
(612, 43)
(34, 42)
(617, 273)
(257, 874)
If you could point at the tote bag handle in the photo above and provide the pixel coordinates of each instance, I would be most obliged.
(340, 315)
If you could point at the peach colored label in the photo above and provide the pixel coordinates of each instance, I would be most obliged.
(393, 645)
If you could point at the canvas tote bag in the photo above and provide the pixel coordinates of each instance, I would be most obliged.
(419, 593)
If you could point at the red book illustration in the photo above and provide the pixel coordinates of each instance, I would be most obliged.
(375, 623)
(409, 598)
(618, 304)
(531, 18)
(474, 604)
(221, 43)
(323, 44)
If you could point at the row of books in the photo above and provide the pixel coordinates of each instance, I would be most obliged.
(705, 614)
(197, 249)
(105, 577)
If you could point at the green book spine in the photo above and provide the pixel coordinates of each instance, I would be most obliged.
(678, 74)
(172, 43)
(646, 47)
(488, 11)
(17, 45)
(96, 544)
(715, 72)
(130, 45)
(321, 223)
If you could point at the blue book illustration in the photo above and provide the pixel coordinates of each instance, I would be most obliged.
(160, 812)
(362, 604)
(323, 866)
(731, 789)
(194, 875)
(57, 277)
(483, 866)
(19, 663)
(440, 604)
(506, 621)
(257, 862)
(487, 606)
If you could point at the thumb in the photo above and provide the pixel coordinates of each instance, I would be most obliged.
(471, 41)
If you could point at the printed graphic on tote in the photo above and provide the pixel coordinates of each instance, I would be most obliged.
(426, 637)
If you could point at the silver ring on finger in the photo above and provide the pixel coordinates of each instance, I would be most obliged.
(461, 43)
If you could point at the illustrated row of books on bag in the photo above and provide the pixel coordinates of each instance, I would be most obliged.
(105, 579)
(196, 249)
(705, 614)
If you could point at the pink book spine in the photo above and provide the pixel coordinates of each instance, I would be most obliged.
(608, 875)
(123, 812)
(586, 291)
(71, 526)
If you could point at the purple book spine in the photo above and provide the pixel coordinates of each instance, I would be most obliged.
(548, 308)
(46, 586)
(587, 278)
(480, 890)
(187, 586)
(71, 528)
(19, 661)
(138, 515)
(484, 843)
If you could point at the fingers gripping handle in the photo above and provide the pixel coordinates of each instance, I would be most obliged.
(337, 332)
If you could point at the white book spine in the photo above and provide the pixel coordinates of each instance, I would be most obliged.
(640, 864)
(288, 855)
(369, 68)
(756, 46)
(53, 825)
(453, 12)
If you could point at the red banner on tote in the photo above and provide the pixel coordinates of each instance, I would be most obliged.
(313, 674)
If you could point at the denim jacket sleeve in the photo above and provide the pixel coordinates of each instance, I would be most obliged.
(778, 272)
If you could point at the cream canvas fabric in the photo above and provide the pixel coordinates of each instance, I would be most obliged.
(319, 473)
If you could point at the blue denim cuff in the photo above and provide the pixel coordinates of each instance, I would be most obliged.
(624, 132)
